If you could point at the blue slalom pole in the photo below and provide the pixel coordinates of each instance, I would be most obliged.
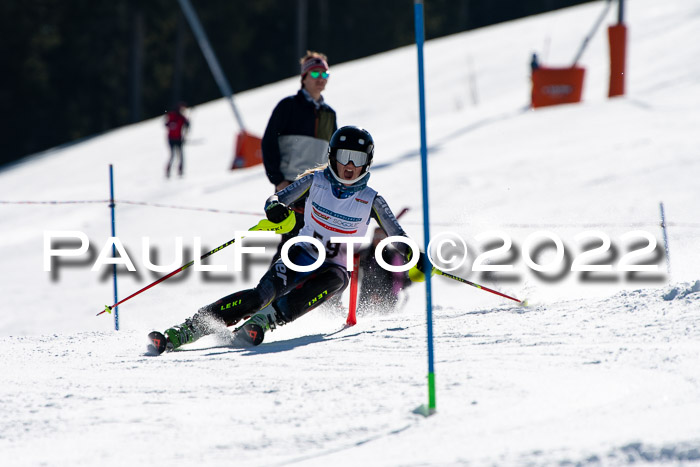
(114, 249)
(420, 39)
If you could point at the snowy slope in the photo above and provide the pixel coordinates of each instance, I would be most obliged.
(599, 369)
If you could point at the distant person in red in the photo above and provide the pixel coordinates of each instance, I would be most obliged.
(177, 124)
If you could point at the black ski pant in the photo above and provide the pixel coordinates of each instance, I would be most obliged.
(175, 153)
(291, 293)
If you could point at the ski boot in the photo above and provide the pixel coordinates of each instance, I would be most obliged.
(253, 331)
(172, 338)
(181, 334)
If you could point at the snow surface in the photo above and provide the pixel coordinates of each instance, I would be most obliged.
(599, 369)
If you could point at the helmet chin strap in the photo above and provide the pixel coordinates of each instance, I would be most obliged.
(348, 182)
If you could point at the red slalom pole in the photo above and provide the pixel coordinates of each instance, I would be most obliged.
(352, 316)
(354, 280)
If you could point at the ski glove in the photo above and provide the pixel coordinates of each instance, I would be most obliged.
(277, 212)
(417, 272)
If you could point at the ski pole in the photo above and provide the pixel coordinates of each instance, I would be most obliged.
(459, 279)
(284, 226)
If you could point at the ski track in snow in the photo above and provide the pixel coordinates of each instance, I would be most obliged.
(578, 364)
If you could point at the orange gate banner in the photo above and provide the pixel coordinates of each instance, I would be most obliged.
(552, 86)
(248, 151)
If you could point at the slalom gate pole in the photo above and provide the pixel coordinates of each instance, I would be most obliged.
(420, 38)
(354, 277)
(459, 279)
(262, 225)
(114, 249)
(354, 283)
(403, 211)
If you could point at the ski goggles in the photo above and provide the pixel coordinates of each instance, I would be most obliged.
(323, 74)
(344, 156)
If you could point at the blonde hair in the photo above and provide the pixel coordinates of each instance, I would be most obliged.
(312, 170)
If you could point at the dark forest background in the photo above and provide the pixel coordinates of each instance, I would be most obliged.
(76, 68)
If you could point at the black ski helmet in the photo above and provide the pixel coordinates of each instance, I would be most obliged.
(350, 143)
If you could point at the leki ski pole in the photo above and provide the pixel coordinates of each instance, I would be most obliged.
(459, 279)
(284, 226)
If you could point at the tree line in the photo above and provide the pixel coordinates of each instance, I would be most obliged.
(76, 68)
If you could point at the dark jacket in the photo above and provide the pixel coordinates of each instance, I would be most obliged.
(294, 115)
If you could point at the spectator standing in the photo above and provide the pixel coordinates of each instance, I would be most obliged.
(534, 65)
(177, 125)
(297, 134)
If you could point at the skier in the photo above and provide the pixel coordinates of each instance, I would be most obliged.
(338, 203)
